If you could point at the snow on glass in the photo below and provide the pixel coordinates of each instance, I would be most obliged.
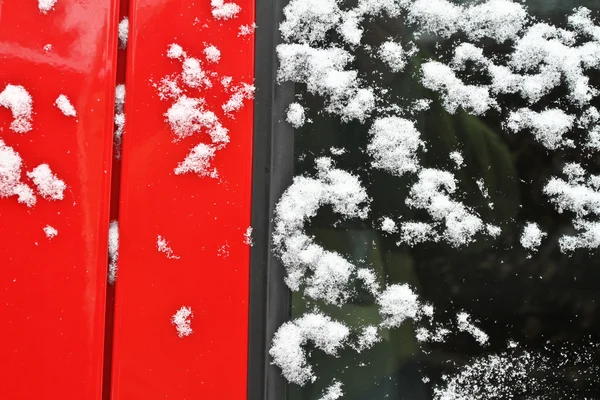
(189, 113)
(46, 5)
(542, 58)
(50, 232)
(18, 100)
(182, 320)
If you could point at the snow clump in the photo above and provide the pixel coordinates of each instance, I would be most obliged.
(212, 54)
(10, 176)
(222, 10)
(182, 320)
(47, 184)
(123, 32)
(163, 247)
(50, 232)
(64, 105)
(465, 325)
(295, 115)
(532, 236)
(113, 251)
(19, 102)
(119, 119)
(46, 5)
(333, 392)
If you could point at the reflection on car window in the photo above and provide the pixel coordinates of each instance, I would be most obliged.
(440, 238)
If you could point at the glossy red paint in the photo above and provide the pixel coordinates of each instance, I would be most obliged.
(53, 291)
(203, 219)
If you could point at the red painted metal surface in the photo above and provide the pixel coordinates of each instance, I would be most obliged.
(203, 219)
(53, 291)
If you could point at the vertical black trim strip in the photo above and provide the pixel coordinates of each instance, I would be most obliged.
(272, 173)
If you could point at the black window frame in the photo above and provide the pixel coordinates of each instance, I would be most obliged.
(272, 173)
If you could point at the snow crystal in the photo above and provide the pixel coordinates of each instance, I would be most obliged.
(222, 10)
(367, 339)
(193, 75)
(369, 280)
(188, 116)
(398, 303)
(10, 176)
(48, 47)
(331, 273)
(163, 247)
(18, 100)
(50, 232)
(295, 115)
(308, 21)
(412, 233)
(394, 144)
(580, 195)
(322, 70)
(388, 225)
(198, 161)
(393, 55)
(46, 5)
(246, 30)
(113, 251)
(465, 325)
(333, 392)
(236, 101)
(458, 159)
(212, 54)
(287, 347)
(432, 192)
(64, 105)
(175, 51)
(47, 184)
(182, 320)
(548, 126)
(123, 32)
(248, 237)
(472, 98)
(532, 236)
(119, 118)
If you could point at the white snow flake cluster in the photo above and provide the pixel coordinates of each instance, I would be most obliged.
(224, 10)
(189, 114)
(113, 251)
(123, 32)
(18, 100)
(163, 247)
(64, 105)
(50, 232)
(48, 185)
(182, 320)
(541, 58)
(119, 119)
(46, 5)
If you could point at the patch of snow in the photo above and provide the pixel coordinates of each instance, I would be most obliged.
(333, 392)
(64, 105)
(548, 126)
(331, 273)
(212, 54)
(295, 115)
(182, 320)
(193, 75)
(19, 102)
(48, 47)
(113, 251)
(367, 339)
(46, 5)
(288, 344)
(236, 101)
(222, 10)
(163, 247)
(175, 51)
(119, 118)
(246, 30)
(388, 225)
(10, 176)
(532, 236)
(397, 303)
(458, 159)
(50, 232)
(47, 184)
(199, 161)
(248, 237)
(394, 145)
(465, 325)
(123, 32)
(394, 55)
